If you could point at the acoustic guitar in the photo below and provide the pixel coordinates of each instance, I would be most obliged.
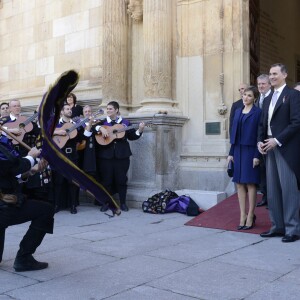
(71, 130)
(116, 131)
(23, 124)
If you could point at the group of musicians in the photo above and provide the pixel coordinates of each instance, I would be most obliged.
(31, 190)
(88, 140)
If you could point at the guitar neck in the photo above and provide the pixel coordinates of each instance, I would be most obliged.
(77, 125)
(128, 128)
(29, 120)
(133, 126)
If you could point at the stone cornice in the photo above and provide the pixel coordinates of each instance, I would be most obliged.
(160, 119)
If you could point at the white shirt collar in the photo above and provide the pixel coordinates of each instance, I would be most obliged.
(118, 119)
(13, 118)
(61, 120)
(267, 93)
(280, 89)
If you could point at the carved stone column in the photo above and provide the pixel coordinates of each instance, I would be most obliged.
(157, 28)
(115, 26)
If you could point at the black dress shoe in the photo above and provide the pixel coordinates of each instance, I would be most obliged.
(124, 207)
(104, 207)
(73, 210)
(28, 263)
(262, 203)
(269, 234)
(290, 238)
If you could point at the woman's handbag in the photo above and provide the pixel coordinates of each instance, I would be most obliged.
(230, 168)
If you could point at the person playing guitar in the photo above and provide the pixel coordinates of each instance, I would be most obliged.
(65, 191)
(113, 158)
(20, 126)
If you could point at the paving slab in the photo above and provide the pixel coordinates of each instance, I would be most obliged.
(207, 246)
(101, 281)
(277, 291)
(214, 280)
(142, 256)
(148, 293)
(269, 254)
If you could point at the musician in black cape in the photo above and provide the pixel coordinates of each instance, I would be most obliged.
(113, 160)
(16, 209)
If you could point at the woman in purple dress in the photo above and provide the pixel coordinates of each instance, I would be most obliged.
(245, 155)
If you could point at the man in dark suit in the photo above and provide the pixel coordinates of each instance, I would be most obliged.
(237, 104)
(264, 88)
(279, 139)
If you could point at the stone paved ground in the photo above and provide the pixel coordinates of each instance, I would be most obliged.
(142, 256)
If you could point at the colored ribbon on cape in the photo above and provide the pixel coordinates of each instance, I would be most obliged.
(49, 114)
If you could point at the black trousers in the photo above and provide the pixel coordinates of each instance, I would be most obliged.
(38, 212)
(263, 176)
(113, 175)
(65, 193)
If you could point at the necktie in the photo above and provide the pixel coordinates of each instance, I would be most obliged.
(274, 98)
(261, 100)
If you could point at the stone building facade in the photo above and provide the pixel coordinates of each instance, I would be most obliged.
(174, 63)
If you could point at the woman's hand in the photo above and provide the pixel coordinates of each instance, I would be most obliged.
(255, 162)
(229, 158)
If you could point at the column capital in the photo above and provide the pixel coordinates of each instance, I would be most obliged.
(135, 10)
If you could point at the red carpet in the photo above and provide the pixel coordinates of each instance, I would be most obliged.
(226, 215)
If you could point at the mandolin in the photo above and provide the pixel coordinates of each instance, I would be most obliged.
(116, 131)
(71, 130)
(23, 124)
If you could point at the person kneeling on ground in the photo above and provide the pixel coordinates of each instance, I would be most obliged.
(16, 209)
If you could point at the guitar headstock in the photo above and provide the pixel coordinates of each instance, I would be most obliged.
(148, 124)
(99, 112)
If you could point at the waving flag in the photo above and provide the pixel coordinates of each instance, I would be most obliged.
(49, 113)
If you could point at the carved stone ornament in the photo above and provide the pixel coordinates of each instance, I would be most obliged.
(222, 109)
(135, 9)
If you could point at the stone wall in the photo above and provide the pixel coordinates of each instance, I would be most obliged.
(42, 39)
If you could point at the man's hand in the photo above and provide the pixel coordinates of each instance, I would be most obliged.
(34, 152)
(103, 131)
(141, 127)
(42, 165)
(268, 145)
(59, 132)
(15, 131)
